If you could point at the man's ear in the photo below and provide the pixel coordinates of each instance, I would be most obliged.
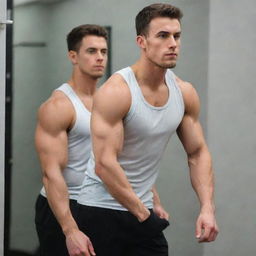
(141, 41)
(72, 55)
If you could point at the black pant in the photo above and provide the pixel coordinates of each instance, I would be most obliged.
(51, 238)
(119, 233)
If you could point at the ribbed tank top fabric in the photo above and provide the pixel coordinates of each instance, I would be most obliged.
(79, 144)
(147, 130)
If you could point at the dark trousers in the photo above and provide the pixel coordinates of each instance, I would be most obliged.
(119, 233)
(51, 238)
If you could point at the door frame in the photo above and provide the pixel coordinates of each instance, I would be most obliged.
(3, 8)
(6, 31)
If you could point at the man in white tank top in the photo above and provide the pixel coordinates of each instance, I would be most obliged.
(134, 114)
(63, 144)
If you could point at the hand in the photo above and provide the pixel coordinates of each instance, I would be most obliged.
(78, 244)
(206, 227)
(161, 212)
(144, 216)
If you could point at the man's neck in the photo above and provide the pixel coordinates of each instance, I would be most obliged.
(147, 73)
(83, 84)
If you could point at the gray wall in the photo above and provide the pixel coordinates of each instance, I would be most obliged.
(30, 89)
(231, 116)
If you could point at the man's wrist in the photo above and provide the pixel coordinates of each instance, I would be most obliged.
(158, 204)
(208, 208)
(68, 228)
(143, 215)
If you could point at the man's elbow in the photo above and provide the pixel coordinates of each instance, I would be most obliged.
(52, 176)
(197, 155)
(102, 165)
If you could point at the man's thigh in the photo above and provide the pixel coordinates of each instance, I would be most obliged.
(156, 246)
(52, 243)
(102, 227)
(119, 233)
(147, 238)
(51, 238)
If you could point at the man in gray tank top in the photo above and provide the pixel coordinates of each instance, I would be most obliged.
(134, 115)
(63, 143)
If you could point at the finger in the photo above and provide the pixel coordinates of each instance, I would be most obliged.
(198, 230)
(212, 236)
(216, 231)
(159, 214)
(91, 249)
(205, 236)
(84, 253)
(215, 235)
(77, 252)
(166, 216)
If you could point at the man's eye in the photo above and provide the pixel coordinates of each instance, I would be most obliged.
(163, 35)
(90, 50)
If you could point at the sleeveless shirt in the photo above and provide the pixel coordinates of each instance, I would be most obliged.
(147, 130)
(79, 144)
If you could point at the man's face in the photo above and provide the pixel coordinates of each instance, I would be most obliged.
(91, 57)
(162, 43)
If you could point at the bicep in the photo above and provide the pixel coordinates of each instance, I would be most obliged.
(107, 134)
(110, 105)
(190, 131)
(51, 144)
(190, 134)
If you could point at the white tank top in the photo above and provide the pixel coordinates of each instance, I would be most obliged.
(147, 130)
(79, 144)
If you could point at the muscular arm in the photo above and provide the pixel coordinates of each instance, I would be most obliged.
(111, 103)
(199, 161)
(51, 144)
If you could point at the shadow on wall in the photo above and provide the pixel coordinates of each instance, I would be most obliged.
(20, 253)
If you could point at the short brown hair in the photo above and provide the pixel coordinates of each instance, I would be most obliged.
(76, 35)
(152, 11)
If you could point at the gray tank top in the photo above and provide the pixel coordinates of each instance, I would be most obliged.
(79, 145)
(147, 130)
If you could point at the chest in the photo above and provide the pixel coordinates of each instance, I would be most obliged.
(147, 122)
(156, 97)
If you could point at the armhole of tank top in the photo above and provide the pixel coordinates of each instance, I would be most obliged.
(179, 93)
(131, 110)
(66, 93)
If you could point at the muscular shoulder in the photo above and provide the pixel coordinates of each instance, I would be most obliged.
(57, 113)
(190, 96)
(114, 95)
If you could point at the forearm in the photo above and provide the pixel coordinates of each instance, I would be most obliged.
(202, 178)
(119, 187)
(156, 198)
(58, 199)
